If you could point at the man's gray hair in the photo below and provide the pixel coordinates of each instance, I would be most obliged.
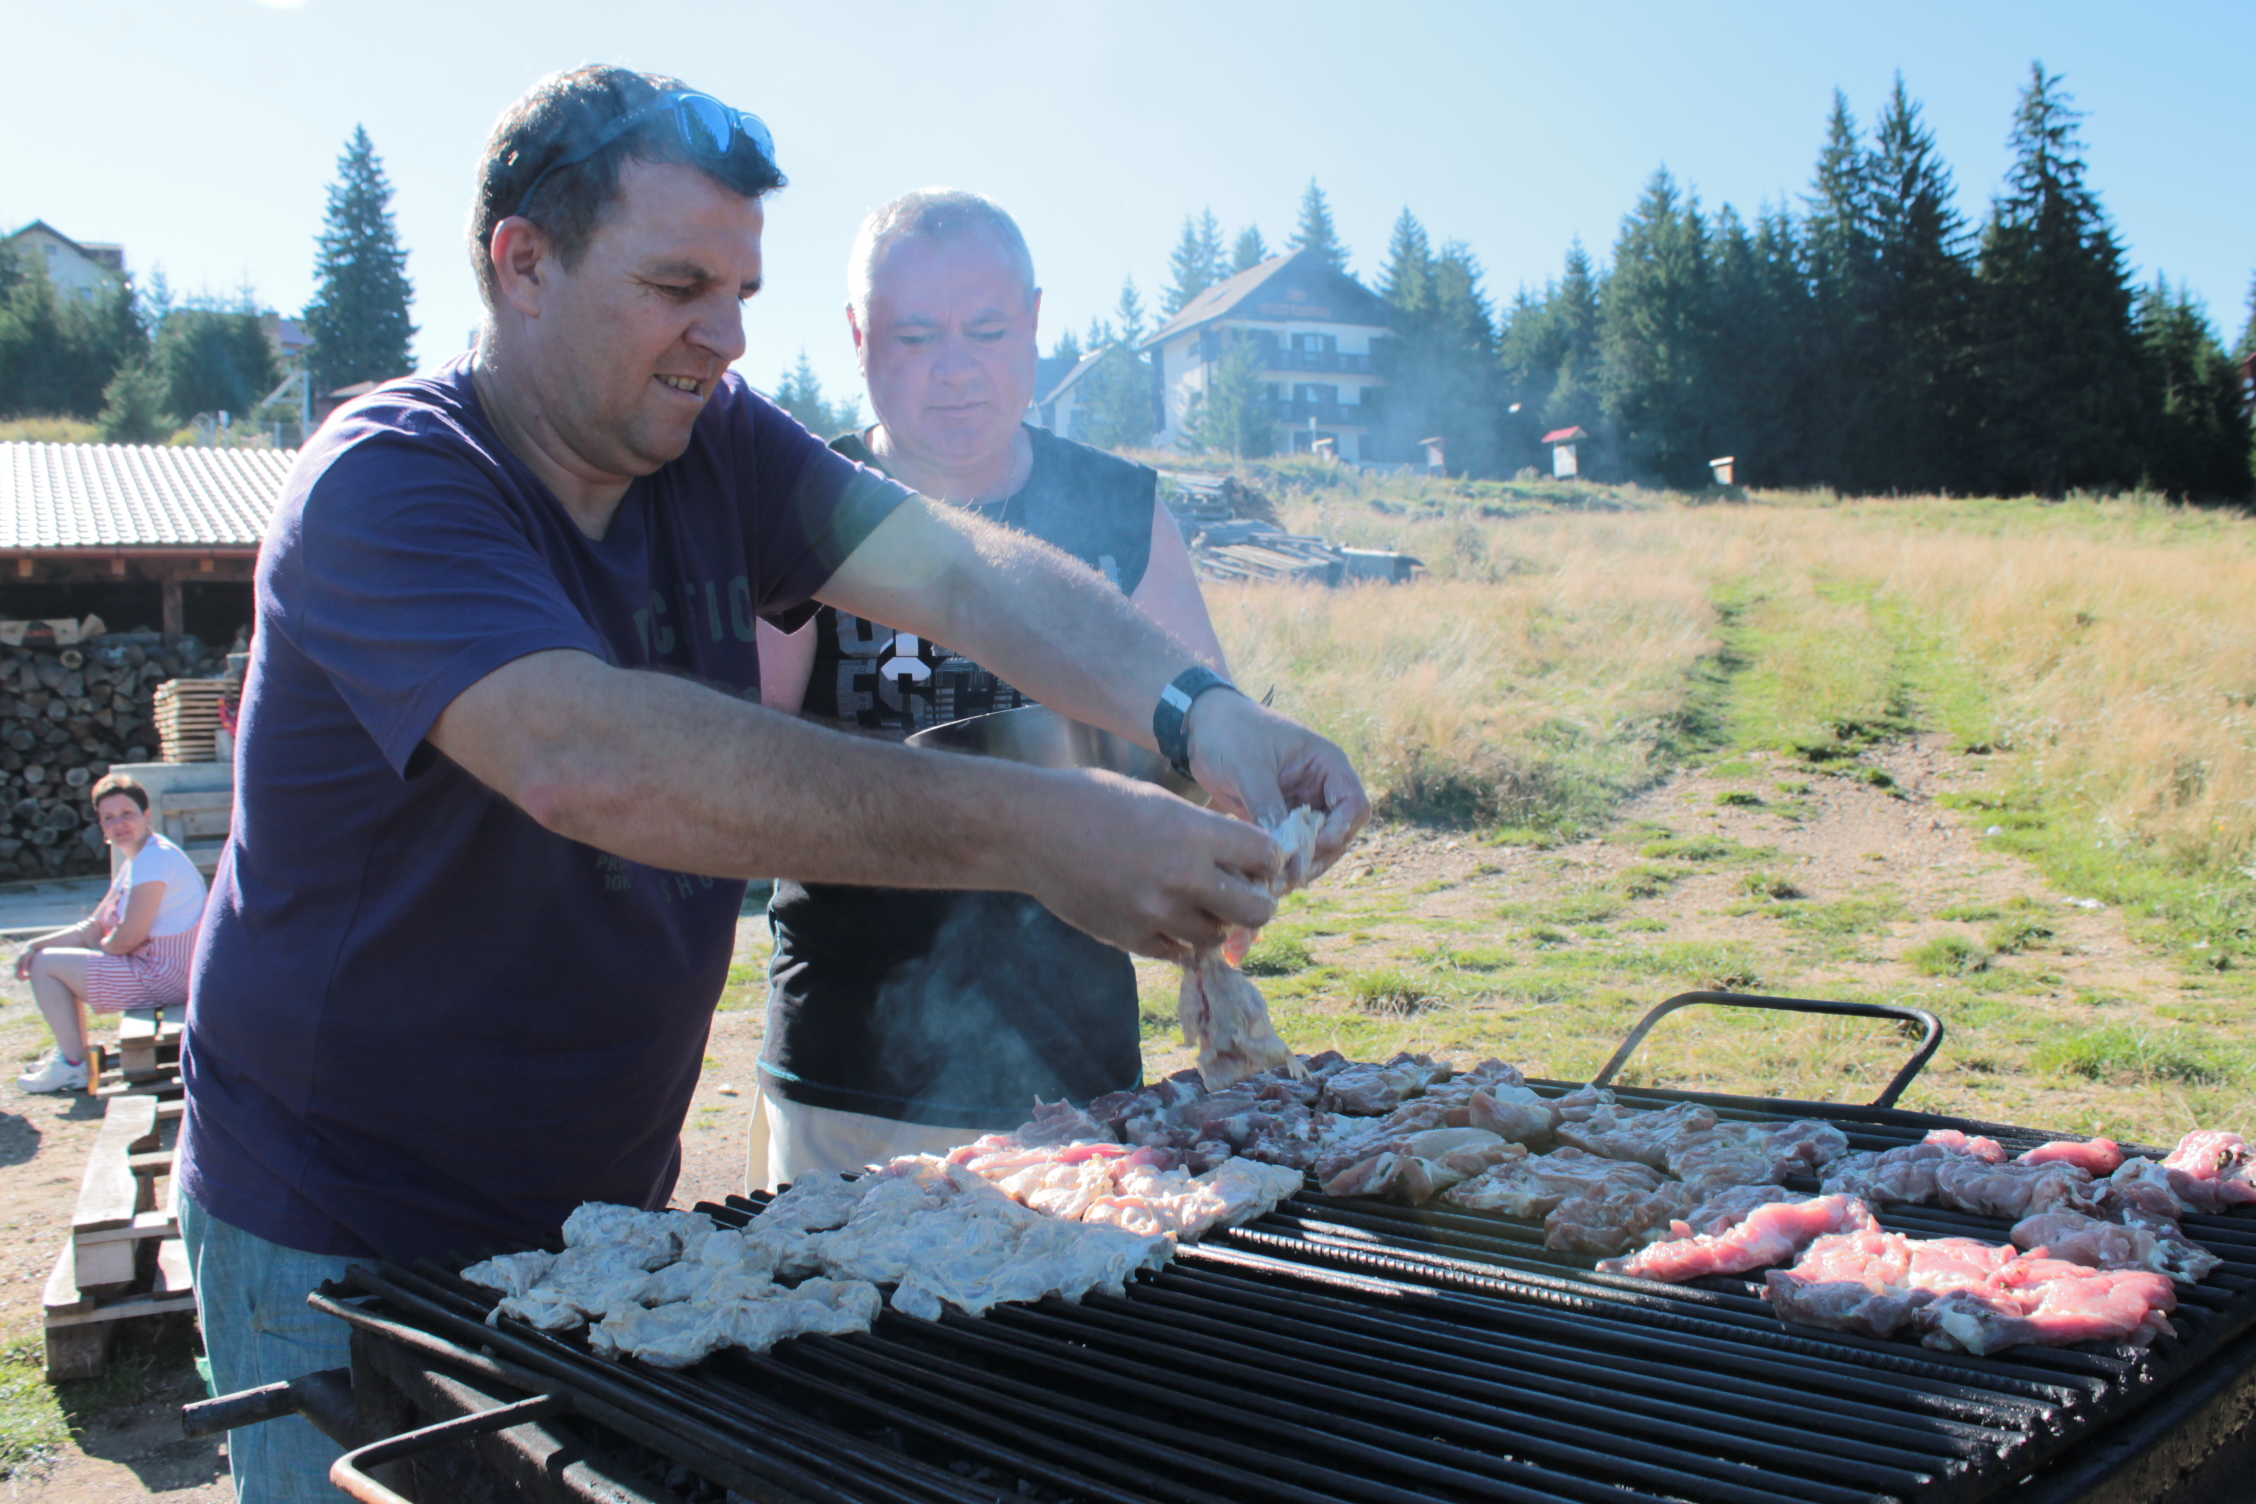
(931, 214)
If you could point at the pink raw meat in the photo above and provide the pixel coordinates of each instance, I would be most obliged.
(2113, 1245)
(1988, 1150)
(2012, 1191)
(2096, 1156)
(1767, 1235)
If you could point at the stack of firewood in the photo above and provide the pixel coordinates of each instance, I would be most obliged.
(67, 715)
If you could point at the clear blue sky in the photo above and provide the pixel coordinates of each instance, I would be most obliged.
(201, 133)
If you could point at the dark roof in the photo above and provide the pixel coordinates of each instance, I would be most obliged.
(1564, 436)
(108, 257)
(137, 495)
(1080, 369)
(1299, 285)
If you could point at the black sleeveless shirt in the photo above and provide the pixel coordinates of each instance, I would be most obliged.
(943, 1007)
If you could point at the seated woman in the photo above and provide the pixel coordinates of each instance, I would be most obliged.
(135, 949)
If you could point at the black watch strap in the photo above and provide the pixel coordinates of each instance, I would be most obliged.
(1175, 706)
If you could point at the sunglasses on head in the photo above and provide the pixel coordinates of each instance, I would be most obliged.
(707, 127)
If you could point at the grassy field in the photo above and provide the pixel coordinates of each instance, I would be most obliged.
(2086, 668)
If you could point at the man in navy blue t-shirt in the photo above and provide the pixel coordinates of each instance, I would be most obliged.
(502, 770)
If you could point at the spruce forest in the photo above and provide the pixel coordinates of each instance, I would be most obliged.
(1870, 340)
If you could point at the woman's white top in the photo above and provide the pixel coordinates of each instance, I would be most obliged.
(159, 861)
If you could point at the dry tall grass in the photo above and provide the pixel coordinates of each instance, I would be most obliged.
(1551, 653)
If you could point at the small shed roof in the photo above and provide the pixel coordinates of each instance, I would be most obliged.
(1564, 436)
(102, 496)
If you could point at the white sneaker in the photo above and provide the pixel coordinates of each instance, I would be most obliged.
(54, 1074)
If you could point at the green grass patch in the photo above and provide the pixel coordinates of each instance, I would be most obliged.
(1702, 849)
(2012, 936)
(1275, 955)
(1970, 913)
(1590, 906)
(2133, 1056)
(1768, 885)
(1739, 799)
(1869, 915)
(1390, 993)
(1735, 767)
(32, 1424)
(1947, 956)
(1649, 880)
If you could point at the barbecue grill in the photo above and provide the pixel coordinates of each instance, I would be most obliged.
(1337, 1349)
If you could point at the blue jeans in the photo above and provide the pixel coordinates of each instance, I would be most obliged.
(258, 1329)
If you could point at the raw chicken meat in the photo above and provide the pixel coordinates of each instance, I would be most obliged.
(1366, 1089)
(1646, 1137)
(1609, 1223)
(1727, 1208)
(1733, 1154)
(677, 1335)
(1765, 1235)
(1963, 1295)
(511, 1273)
(1988, 1150)
(1513, 1112)
(2209, 1170)
(1101, 1183)
(2011, 1191)
(2096, 1156)
(1885, 1176)
(1221, 1012)
(1534, 1186)
(1579, 1104)
(2111, 1245)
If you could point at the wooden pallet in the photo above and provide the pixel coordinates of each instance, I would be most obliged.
(123, 1258)
(187, 717)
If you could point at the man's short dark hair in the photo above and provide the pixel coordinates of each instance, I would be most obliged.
(557, 116)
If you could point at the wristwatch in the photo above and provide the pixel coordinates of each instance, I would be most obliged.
(1175, 707)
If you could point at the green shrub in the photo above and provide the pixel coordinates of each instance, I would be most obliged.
(1389, 994)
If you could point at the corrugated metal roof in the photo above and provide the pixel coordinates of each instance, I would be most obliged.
(137, 495)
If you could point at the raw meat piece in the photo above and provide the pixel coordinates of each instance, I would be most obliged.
(1645, 1137)
(2110, 1245)
(2052, 1303)
(2207, 1154)
(812, 1203)
(2011, 1191)
(1727, 1208)
(2096, 1157)
(1534, 1186)
(1414, 1167)
(1367, 1089)
(1576, 1105)
(1765, 1235)
(511, 1273)
(1885, 1176)
(2143, 1194)
(1221, 1012)
(1058, 1123)
(1987, 1150)
(1176, 1205)
(1513, 1112)
(1732, 1154)
(1842, 1305)
(1607, 1224)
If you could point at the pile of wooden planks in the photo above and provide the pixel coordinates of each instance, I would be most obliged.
(123, 1259)
(188, 718)
(147, 1059)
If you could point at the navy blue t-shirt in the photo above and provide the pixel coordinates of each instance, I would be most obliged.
(420, 1021)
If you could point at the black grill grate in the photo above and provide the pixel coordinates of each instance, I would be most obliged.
(1355, 1350)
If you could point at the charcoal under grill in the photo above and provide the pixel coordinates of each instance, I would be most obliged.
(1344, 1349)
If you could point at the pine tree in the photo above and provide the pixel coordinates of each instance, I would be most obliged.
(358, 316)
(1119, 406)
(1837, 239)
(1196, 262)
(1919, 304)
(1249, 251)
(1233, 415)
(213, 357)
(1130, 310)
(2197, 442)
(1316, 232)
(1406, 282)
(1655, 333)
(133, 406)
(1067, 349)
(58, 352)
(800, 394)
(2059, 356)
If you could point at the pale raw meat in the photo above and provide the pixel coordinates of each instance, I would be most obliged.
(1533, 1187)
(1607, 1224)
(2143, 1194)
(2209, 1170)
(1646, 1137)
(1579, 1104)
(1731, 1154)
(1727, 1208)
(2011, 1191)
(1223, 1015)
(1136, 1189)
(1987, 1150)
(1368, 1089)
(1174, 1204)
(2050, 1303)
(1513, 1112)
(511, 1273)
(1766, 1235)
(1414, 1167)
(2096, 1156)
(1876, 1283)
(2111, 1245)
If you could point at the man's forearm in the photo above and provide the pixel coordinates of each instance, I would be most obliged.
(663, 772)
(1044, 621)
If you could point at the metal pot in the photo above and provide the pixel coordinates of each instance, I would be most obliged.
(1038, 735)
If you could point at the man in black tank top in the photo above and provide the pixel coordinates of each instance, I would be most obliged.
(908, 1020)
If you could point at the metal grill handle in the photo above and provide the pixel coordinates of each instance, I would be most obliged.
(1928, 1044)
(348, 1472)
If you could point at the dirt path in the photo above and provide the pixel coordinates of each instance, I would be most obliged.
(1884, 866)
